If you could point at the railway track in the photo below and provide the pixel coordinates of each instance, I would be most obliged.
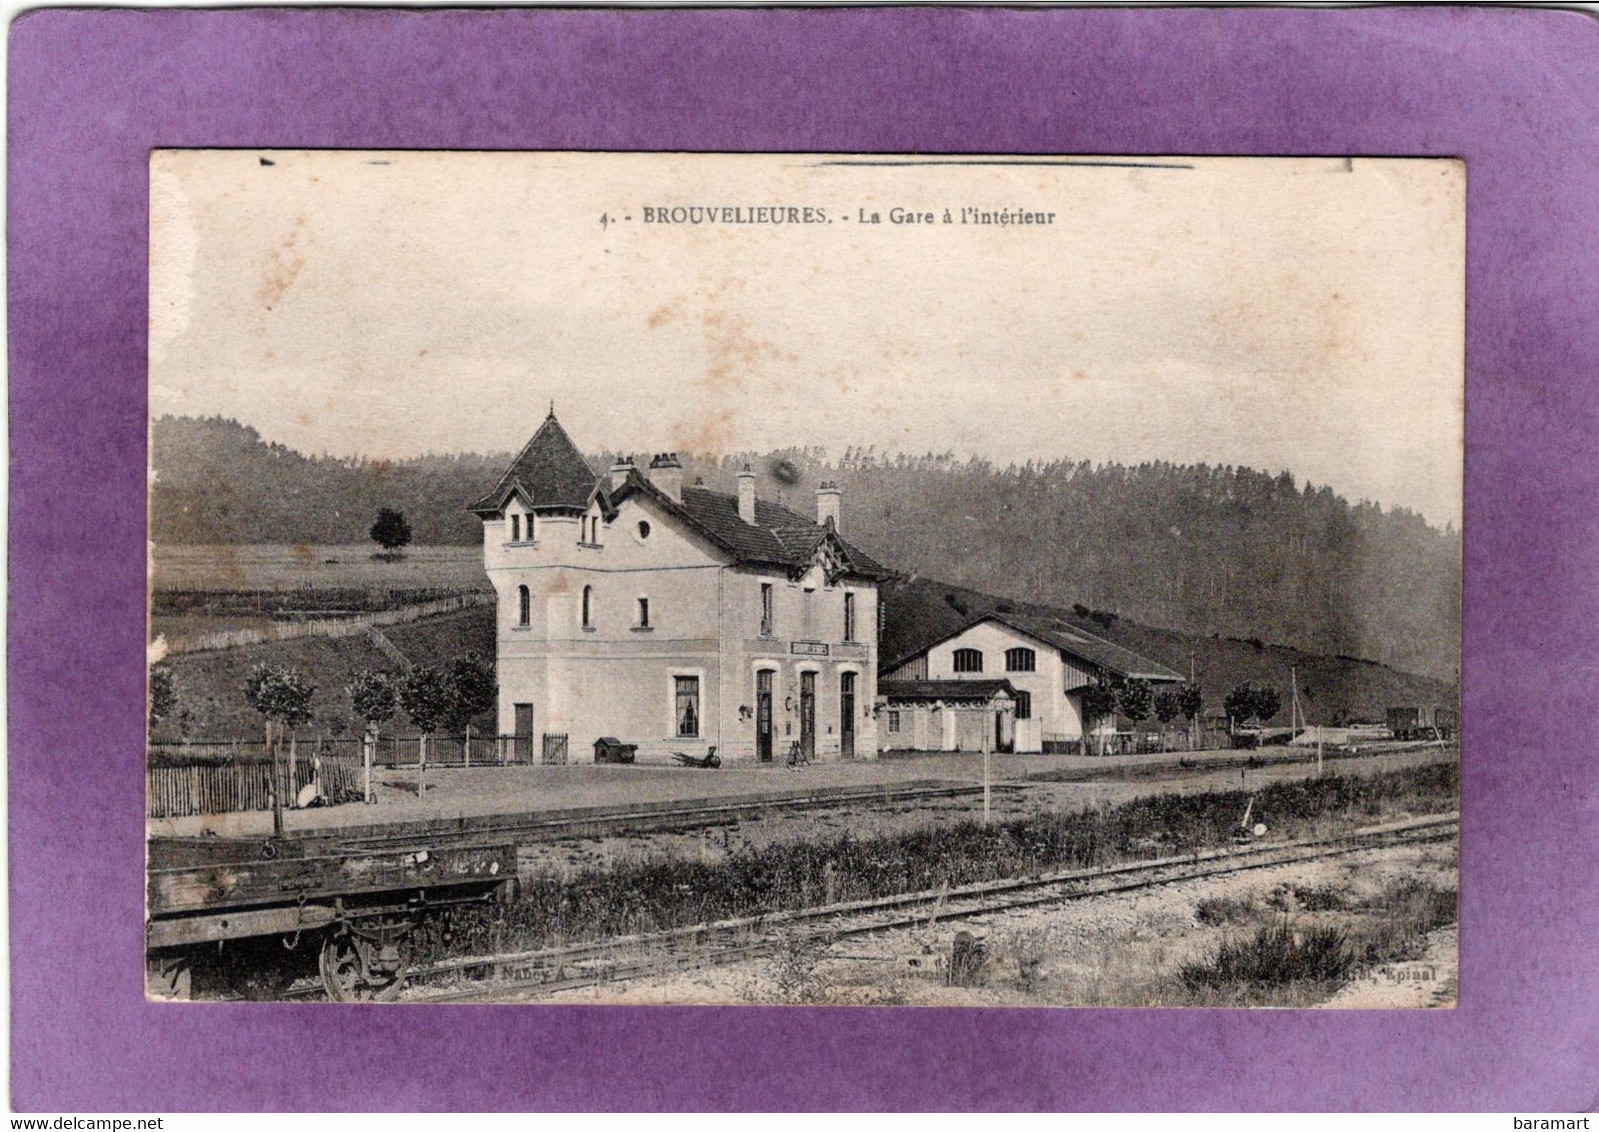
(525, 975)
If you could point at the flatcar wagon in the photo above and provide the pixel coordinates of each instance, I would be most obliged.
(253, 917)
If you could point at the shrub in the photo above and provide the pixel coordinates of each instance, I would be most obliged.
(1407, 910)
(1276, 955)
(1217, 910)
(1319, 897)
(794, 973)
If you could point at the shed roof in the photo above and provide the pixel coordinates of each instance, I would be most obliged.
(929, 691)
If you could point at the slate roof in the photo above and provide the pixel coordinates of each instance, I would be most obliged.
(549, 472)
(921, 613)
(777, 537)
(928, 691)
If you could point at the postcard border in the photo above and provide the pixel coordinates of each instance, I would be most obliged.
(92, 92)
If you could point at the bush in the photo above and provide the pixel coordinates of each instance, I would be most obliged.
(1319, 898)
(1275, 956)
(1407, 909)
(1217, 910)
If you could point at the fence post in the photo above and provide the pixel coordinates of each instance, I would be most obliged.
(368, 742)
(466, 748)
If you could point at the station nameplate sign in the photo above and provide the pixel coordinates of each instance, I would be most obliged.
(807, 648)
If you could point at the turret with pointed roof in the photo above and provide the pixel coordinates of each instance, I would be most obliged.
(549, 474)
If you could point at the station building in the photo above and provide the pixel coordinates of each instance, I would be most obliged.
(948, 651)
(673, 617)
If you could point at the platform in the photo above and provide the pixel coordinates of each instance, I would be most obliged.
(456, 794)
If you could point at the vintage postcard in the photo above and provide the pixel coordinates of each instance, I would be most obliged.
(804, 578)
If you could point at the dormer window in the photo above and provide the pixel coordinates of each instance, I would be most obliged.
(516, 528)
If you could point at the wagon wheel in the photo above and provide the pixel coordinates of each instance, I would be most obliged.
(366, 964)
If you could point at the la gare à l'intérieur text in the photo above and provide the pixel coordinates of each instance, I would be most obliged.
(773, 215)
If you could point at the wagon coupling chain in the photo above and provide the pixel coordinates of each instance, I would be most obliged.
(299, 907)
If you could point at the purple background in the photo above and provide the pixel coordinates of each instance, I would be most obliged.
(1516, 93)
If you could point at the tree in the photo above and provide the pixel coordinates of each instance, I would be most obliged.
(391, 531)
(282, 697)
(1267, 703)
(428, 697)
(473, 688)
(1099, 701)
(1167, 707)
(1190, 701)
(163, 693)
(1247, 702)
(1135, 699)
(374, 697)
(1240, 704)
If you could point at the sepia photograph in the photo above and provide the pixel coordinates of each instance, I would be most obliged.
(804, 579)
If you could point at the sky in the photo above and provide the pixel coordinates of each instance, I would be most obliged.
(1284, 314)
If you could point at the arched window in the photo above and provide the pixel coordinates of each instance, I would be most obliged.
(968, 660)
(524, 606)
(1021, 660)
(588, 607)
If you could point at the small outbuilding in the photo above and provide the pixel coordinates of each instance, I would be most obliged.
(944, 645)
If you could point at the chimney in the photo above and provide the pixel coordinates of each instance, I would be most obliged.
(620, 471)
(746, 495)
(829, 502)
(667, 475)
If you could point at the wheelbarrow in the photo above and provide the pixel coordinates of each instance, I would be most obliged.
(709, 762)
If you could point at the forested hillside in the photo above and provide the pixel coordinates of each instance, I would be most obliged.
(1200, 549)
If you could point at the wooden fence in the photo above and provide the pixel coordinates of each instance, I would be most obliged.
(223, 788)
(325, 627)
(228, 776)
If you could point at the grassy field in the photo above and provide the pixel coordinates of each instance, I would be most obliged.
(285, 567)
(210, 685)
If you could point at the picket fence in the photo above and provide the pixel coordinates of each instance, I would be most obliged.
(325, 627)
(184, 791)
(191, 777)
